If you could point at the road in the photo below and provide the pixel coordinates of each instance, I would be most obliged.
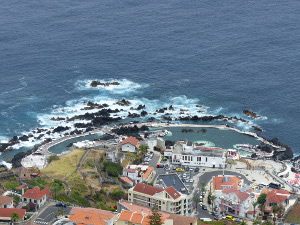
(50, 213)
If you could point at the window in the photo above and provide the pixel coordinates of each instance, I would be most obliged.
(206, 159)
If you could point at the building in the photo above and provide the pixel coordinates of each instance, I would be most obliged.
(36, 196)
(139, 173)
(6, 202)
(237, 202)
(130, 144)
(222, 182)
(190, 154)
(155, 142)
(275, 197)
(127, 217)
(171, 180)
(91, 216)
(167, 199)
(6, 213)
(169, 218)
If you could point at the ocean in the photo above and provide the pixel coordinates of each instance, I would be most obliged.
(226, 56)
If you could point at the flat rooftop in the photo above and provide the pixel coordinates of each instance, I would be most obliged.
(172, 180)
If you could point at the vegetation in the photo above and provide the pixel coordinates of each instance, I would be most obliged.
(212, 222)
(117, 194)
(52, 158)
(12, 185)
(15, 216)
(155, 217)
(65, 166)
(37, 182)
(113, 169)
(261, 200)
(293, 216)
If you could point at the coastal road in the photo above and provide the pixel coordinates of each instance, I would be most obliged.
(49, 214)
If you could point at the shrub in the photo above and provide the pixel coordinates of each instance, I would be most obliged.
(113, 169)
(117, 194)
(52, 157)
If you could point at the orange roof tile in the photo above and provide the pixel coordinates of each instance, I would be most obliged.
(172, 192)
(218, 182)
(277, 196)
(130, 140)
(148, 172)
(147, 189)
(5, 200)
(127, 180)
(241, 195)
(6, 212)
(36, 193)
(90, 216)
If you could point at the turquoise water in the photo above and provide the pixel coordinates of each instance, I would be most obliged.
(62, 147)
(220, 138)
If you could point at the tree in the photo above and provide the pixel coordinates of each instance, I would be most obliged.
(267, 222)
(261, 201)
(212, 199)
(202, 188)
(196, 200)
(155, 217)
(243, 222)
(143, 149)
(254, 208)
(275, 211)
(15, 216)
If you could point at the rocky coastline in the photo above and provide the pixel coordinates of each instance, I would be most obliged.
(94, 115)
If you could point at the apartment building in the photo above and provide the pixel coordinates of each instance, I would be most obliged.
(167, 199)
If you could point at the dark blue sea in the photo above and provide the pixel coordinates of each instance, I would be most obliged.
(224, 55)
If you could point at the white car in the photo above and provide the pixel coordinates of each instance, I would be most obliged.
(191, 181)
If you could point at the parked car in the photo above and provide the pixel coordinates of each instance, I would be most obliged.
(191, 169)
(191, 181)
(180, 170)
(204, 207)
(218, 217)
(205, 219)
(197, 170)
(230, 218)
(60, 204)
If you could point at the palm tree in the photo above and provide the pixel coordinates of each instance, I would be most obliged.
(14, 217)
(212, 199)
(202, 188)
(254, 208)
(243, 222)
(275, 211)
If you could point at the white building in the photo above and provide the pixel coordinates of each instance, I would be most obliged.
(139, 173)
(129, 144)
(154, 141)
(36, 196)
(6, 202)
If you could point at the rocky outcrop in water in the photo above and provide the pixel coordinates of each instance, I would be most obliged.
(129, 130)
(91, 105)
(251, 114)
(123, 102)
(95, 83)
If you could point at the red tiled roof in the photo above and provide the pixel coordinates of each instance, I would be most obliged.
(130, 140)
(172, 192)
(136, 217)
(5, 200)
(252, 212)
(127, 180)
(219, 181)
(130, 170)
(148, 172)
(177, 219)
(20, 187)
(277, 196)
(147, 189)
(90, 216)
(241, 195)
(36, 193)
(6, 212)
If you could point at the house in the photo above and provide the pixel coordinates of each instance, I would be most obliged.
(222, 182)
(171, 180)
(36, 196)
(91, 216)
(6, 202)
(139, 173)
(155, 142)
(190, 154)
(169, 218)
(238, 202)
(275, 197)
(127, 181)
(6, 213)
(166, 199)
(130, 144)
